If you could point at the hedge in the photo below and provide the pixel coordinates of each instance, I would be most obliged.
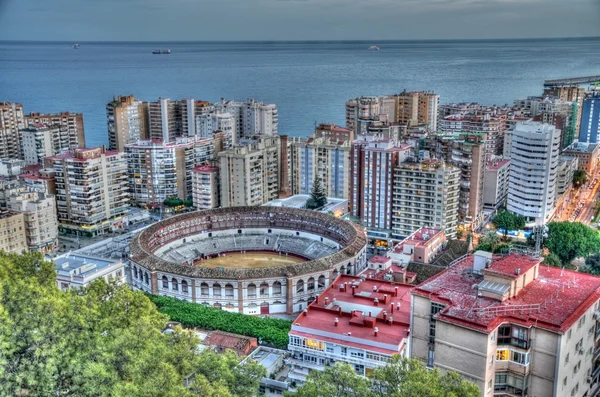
(268, 331)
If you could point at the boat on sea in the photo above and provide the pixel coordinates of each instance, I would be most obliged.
(76, 46)
(373, 48)
(163, 52)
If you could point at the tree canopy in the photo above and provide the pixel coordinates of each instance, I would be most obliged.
(401, 377)
(570, 240)
(318, 198)
(102, 341)
(579, 178)
(592, 265)
(508, 221)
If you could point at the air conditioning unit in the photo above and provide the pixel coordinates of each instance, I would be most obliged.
(589, 379)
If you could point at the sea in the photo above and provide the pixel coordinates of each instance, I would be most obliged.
(308, 81)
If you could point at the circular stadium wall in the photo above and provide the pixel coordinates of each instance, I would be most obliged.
(251, 260)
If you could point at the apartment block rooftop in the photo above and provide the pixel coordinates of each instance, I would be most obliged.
(359, 312)
(495, 165)
(482, 291)
(581, 147)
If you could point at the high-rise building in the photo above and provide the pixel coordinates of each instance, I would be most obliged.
(207, 124)
(362, 108)
(321, 158)
(39, 210)
(425, 194)
(158, 170)
(465, 151)
(12, 121)
(588, 155)
(490, 121)
(127, 121)
(253, 174)
(535, 152)
(91, 191)
(73, 122)
(11, 168)
(333, 132)
(590, 119)
(169, 120)
(574, 94)
(372, 179)
(495, 183)
(12, 237)
(251, 117)
(417, 107)
(39, 141)
(205, 187)
(511, 325)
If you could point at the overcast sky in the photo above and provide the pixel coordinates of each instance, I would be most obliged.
(80, 20)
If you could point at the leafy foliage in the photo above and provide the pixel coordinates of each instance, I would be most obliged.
(579, 178)
(570, 240)
(269, 330)
(508, 221)
(592, 265)
(102, 341)
(489, 242)
(401, 377)
(552, 260)
(177, 202)
(318, 198)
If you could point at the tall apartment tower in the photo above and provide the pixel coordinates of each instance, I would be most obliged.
(251, 117)
(372, 179)
(207, 124)
(571, 94)
(425, 194)
(321, 158)
(39, 141)
(362, 108)
(205, 187)
(13, 237)
(91, 191)
(481, 120)
(535, 152)
(158, 170)
(12, 121)
(590, 119)
(465, 151)
(417, 107)
(251, 174)
(73, 122)
(169, 120)
(127, 121)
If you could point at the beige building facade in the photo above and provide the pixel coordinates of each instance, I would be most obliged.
(72, 122)
(12, 121)
(12, 232)
(127, 121)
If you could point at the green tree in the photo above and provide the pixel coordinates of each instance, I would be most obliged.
(552, 260)
(318, 198)
(579, 178)
(489, 242)
(104, 340)
(570, 240)
(508, 221)
(173, 202)
(339, 380)
(592, 265)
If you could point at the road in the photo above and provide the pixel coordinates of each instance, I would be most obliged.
(579, 206)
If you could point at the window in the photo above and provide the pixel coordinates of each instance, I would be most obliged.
(492, 338)
(436, 308)
(491, 361)
(430, 357)
(489, 389)
(569, 334)
(174, 284)
(276, 288)
(264, 289)
(165, 282)
(204, 289)
(311, 284)
(565, 382)
(184, 287)
(300, 287)
(217, 289)
(513, 335)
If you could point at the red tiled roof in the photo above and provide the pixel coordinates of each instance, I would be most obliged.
(226, 340)
(508, 265)
(358, 314)
(496, 164)
(379, 259)
(206, 168)
(572, 294)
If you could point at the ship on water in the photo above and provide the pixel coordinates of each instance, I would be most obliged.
(163, 52)
(76, 46)
(373, 48)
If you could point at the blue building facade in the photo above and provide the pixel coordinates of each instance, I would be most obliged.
(590, 119)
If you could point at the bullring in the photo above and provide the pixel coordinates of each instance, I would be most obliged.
(307, 251)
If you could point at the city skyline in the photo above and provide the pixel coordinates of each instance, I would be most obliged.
(297, 20)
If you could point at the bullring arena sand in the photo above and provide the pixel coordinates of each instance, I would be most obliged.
(250, 260)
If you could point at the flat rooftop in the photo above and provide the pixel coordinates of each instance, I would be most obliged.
(581, 147)
(555, 300)
(299, 201)
(495, 165)
(361, 306)
(83, 265)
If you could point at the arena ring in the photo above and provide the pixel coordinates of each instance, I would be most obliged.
(252, 260)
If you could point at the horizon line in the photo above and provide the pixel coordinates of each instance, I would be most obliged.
(564, 38)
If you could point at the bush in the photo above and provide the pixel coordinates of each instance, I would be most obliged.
(269, 331)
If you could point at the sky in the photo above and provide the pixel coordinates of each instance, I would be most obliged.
(214, 20)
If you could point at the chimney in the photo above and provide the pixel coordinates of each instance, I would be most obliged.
(305, 312)
(336, 321)
(353, 290)
(375, 331)
(376, 302)
(385, 298)
(349, 333)
(370, 313)
(317, 299)
(326, 301)
(390, 320)
(384, 315)
(395, 292)
(374, 289)
(392, 309)
(342, 287)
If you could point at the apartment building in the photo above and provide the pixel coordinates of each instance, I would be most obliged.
(564, 176)
(251, 117)
(11, 168)
(574, 94)
(73, 122)
(588, 155)
(362, 321)
(511, 325)
(417, 107)
(465, 151)
(91, 191)
(40, 216)
(168, 119)
(495, 183)
(205, 187)
(372, 179)
(368, 107)
(127, 121)
(158, 170)
(12, 121)
(39, 141)
(75, 271)
(490, 121)
(253, 174)
(590, 119)
(12, 232)
(207, 124)
(535, 152)
(333, 132)
(425, 193)
(322, 158)
(422, 246)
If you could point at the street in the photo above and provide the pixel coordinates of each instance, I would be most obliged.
(579, 205)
